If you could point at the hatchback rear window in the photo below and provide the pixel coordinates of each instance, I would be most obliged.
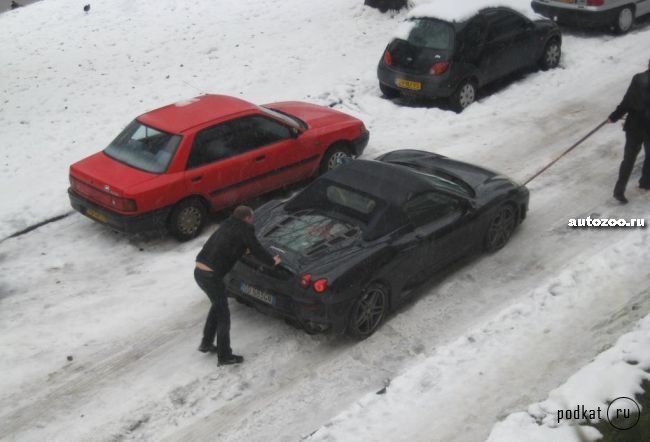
(431, 34)
(144, 147)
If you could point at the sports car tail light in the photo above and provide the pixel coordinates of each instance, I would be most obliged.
(595, 2)
(305, 281)
(388, 59)
(320, 285)
(439, 68)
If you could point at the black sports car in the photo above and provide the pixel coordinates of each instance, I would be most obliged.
(357, 240)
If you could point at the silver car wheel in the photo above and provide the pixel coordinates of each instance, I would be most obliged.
(337, 159)
(625, 19)
(189, 220)
(466, 95)
(552, 56)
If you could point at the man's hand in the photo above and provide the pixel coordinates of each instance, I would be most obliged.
(276, 260)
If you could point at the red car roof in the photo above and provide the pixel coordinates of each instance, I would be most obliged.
(180, 116)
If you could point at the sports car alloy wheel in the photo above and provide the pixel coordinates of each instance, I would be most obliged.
(501, 228)
(368, 312)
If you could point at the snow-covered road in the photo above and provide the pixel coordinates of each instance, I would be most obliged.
(490, 336)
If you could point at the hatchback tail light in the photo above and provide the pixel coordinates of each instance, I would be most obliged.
(595, 2)
(388, 59)
(439, 68)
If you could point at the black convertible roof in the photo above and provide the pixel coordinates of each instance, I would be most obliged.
(391, 183)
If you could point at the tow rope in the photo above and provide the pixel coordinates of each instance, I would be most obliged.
(576, 144)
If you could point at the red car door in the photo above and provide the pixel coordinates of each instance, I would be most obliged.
(218, 169)
(278, 156)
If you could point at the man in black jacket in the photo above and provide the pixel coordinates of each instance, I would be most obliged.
(636, 104)
(234, 238)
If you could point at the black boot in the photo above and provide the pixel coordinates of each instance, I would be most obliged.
(620, 197)
(207, 348)
(231, 359)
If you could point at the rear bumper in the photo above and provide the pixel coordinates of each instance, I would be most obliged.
(154, 221)
(576, 17)
(286, 299)
(431, 86)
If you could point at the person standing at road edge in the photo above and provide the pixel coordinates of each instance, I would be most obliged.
(234, 238)
(636, 104)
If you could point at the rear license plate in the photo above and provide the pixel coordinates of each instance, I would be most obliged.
(567, 1)
(96, 215)
(259, 294)
(407, 84)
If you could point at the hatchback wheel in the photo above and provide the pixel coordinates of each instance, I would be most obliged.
(624, 19)
(551, 56)
(464, 96)
(500, 228)
(334, 157)
(187, 219)
(368, 311)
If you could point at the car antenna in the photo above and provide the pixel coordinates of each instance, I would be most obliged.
(194, 87)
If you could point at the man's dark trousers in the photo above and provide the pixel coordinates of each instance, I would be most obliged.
(633, 141)
(218, 320)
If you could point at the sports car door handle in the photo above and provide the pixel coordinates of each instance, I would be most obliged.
(196, 179)
(260, 158)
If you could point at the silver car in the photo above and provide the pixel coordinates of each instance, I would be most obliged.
(618, 14)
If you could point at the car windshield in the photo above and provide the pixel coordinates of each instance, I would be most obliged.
(144, 147)
(448, 183)
(289, 119)
(309, 233)
(431, 34)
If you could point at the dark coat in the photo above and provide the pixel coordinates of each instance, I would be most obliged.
(636, 104)
(229, 243)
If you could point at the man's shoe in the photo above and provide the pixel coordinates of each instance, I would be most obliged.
(621, 198)
(232, 359)
(207, 348)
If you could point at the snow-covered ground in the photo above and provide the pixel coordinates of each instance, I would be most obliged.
(98, 332)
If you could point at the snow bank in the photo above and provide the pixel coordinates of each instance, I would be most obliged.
(617, 372)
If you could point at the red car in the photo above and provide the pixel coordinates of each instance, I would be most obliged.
(173, 165)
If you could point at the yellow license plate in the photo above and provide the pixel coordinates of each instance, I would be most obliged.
(407, 84)
(96, 215)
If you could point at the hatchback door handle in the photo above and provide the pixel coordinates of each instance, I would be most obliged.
(260, 158)
(196, 179)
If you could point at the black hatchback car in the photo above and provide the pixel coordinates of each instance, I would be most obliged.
(450, 59)
(358, 240)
